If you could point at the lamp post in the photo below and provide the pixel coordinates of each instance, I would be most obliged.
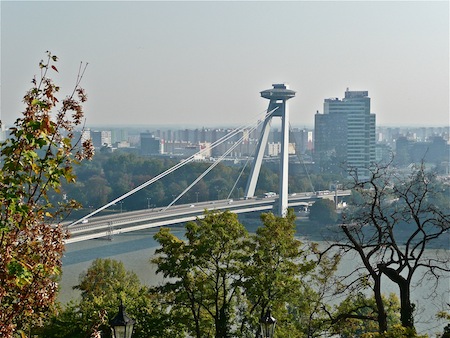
(196, 193)
(218, 191)
(267, 323)
(148, 202)
(121, 324)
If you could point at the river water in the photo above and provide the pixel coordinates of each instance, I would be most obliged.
(135, 250)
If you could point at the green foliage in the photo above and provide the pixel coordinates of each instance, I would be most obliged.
(218, 281)
(116, 173)
(106, 277)
(445, 316)
(103, 287)
(204, 272)
(37, 156)
(308, 309)
(323, 211)
(271, 274)
(397, 331)
(357, 315)
(221, 279)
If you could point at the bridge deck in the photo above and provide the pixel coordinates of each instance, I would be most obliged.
(106, 226)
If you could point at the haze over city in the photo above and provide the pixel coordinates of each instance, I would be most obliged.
(204, 63)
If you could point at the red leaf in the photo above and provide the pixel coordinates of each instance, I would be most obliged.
(54, 68)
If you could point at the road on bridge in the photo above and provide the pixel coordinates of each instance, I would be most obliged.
(107, 226)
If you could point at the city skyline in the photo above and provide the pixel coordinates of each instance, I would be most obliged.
(204, 63)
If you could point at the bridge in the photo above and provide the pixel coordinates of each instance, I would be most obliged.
(90, 227)
(108, 226)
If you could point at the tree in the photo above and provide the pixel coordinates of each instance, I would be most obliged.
(204, 272)
(323, 211)
(103, 287)
(445, 316)
(221, 279)
(106, 277)
(308, 308)
(97, 191)
(357, 315)
(277, 266)
(390, 230)
(36, 158)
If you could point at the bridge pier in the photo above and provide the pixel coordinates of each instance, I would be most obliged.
(278, 107)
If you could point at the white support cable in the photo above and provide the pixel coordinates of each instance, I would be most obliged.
(239, 177)
(142, 186)
(210, 168)
(248, 158)
(219, 160)
(151, 181)
(200, 177)
(168, 171)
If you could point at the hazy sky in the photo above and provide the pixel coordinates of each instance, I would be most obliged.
(204, 63)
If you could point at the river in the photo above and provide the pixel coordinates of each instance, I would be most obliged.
(136, 248)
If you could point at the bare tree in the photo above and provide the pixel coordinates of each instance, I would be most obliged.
(395, 218)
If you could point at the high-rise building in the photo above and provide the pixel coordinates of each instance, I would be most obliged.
(150, 145)
(101, 138)
(345, 134)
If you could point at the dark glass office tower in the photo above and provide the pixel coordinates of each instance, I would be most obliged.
(345, 135)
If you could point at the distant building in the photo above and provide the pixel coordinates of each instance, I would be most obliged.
(82, 135)
(274, 149)
(101, 138)
(119, 135)
(150, 145)
(345, 135)
(435, 151)
(383, 153)
(303, 140)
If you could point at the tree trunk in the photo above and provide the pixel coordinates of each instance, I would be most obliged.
(222, 323)
(382, 316)
(406, 307)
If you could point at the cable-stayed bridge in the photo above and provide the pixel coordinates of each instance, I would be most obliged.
(107, 226)
(92, 227)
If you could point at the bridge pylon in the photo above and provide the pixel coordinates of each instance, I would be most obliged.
(278, 107)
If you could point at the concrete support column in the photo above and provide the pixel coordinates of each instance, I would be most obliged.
(284, 162)
(277, 108)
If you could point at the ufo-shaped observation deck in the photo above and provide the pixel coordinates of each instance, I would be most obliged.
(278, 92)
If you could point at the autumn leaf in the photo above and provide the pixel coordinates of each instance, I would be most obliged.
(31, 247)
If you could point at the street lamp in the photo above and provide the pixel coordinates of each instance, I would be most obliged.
(121, 324)
(267, 323)
(218, 191)
(148, 202)
(196, 193)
